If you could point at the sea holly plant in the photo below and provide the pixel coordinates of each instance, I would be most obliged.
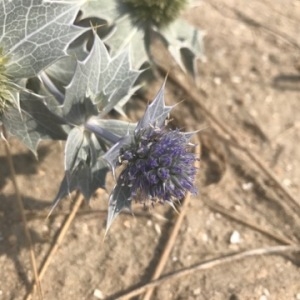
(100, 84)
(133, 21)
(157, 164)
(33, 34)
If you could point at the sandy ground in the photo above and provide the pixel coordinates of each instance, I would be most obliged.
(250, 80)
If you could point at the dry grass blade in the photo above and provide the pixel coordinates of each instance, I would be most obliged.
(172, 239)
(59, 239)
(24, 220)
(208, 265)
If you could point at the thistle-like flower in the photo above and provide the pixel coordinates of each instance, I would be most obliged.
(158, 165)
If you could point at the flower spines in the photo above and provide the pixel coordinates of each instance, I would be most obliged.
(6, 98)
(156, 12)
(158, 165)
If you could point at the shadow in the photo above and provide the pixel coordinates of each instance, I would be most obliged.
(24, 163)
(255, 131)
(290, 82)
(214, 171)
(293, 257)
(13, 239)
(213, 159)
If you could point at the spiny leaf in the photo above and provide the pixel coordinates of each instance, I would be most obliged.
(106, 10)
(85, 179)
(123, 34)
(131, 22)
(62, 70)
(119, 200)
(181, 37)
(73, 145)
(33, 122)
(104, 80)
(111, 130)
(156, 113)
(35, 33)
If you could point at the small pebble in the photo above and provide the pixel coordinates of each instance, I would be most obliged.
(236, 79)
(98, 294)
(266, 292)
(287, 182)
(217, 80)
(157, 229)
(237, 207)
(197, 292)
(297, 296)
(235, 237)
(205, 238)
(247, 186)
(127, 224)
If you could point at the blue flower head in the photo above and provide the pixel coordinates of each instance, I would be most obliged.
(157, 162)
(158, 165)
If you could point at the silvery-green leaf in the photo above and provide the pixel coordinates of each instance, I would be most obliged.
(109, 130)
(156, 113)
(47, 86)
(119, 200)
(119, 78)
(32, 122)
(104, 9)
(87, 76)
(52, 97)
(35, 33)
(86, 179)
(104, 80)
(119, 128)
(181, 35)
(62, 70)
(123, 35)
(72, 147)
(95, 149)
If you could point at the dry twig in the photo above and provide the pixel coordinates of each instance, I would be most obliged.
(229, 258)
(59, 239)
